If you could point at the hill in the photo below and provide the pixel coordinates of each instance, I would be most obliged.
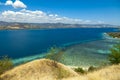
(108, 73)
(39, 70)
(45, 70)
(17, 25)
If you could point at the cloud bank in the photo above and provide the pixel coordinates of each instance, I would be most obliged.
(35, 17)
(16, 4)
(38, 16)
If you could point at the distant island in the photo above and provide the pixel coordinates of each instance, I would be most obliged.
(16, 25)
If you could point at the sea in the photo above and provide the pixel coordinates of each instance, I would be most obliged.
(82, 46)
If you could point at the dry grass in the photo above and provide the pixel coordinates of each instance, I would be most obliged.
(108, 73)
(44, 70)
(39, 70)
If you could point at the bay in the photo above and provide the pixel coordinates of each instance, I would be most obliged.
(19, 44)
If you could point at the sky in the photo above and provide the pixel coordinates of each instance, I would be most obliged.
(61, 11)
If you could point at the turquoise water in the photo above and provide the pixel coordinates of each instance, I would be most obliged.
(89, 53)
(81, 44)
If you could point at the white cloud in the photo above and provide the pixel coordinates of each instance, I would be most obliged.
(39, 17)
(9, 2)
(35, 17)
(19, 4)
(16, 4)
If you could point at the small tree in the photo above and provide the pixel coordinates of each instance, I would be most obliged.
(80, 70)
(114, 57)
(55, 54)
(5, 64)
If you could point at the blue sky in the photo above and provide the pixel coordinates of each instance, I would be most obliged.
(68, 11)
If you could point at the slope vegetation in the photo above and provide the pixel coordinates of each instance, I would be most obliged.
(43, 69)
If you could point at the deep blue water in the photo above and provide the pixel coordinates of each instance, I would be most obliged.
(23, 43)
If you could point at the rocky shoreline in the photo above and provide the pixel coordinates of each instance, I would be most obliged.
(114, 34)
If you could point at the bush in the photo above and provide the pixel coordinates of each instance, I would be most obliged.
(91, 68)
(5, 64)
(80, 70)
(114, 57)
(55, 54)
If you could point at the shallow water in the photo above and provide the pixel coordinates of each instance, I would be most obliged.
(89, 53)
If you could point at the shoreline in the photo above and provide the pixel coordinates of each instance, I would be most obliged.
(115, 35)
(107, 36)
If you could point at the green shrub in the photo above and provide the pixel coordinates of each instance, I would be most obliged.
(91, 68)
(5, 64)
(55, 54)
(114, 57)
(80, 70)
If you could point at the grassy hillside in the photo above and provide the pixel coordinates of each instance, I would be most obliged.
(45, 70)
(108, 73)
